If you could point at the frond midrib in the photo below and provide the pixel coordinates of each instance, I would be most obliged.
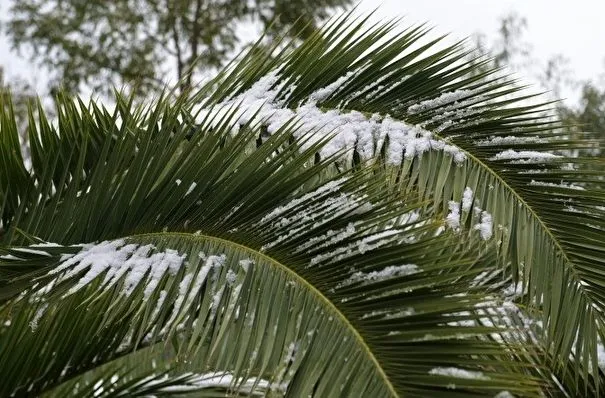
(533, 213)
(320, 296)
(498, 177)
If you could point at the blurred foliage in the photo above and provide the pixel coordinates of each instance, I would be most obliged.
(586, 114)
(20, 95)
(19, 92)
(141, 43)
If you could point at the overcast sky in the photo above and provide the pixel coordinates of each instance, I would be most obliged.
(572, 28)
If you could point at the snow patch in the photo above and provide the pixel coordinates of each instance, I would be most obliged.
(458, 373)
(191, 188)
(560, 185)
(323, 93)
(193, 382)
(443, 99)
(116, 259)
(504, 394)
(32, 251)
(453, 217)
(511, 139)
(485, 227)
(528, 156)
(467, 199)
(329, 187)
(386, 273)
(33, 324)
(347, 131)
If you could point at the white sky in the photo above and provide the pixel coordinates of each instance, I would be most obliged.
(574, 29)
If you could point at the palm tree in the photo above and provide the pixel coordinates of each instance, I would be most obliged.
(360, 215)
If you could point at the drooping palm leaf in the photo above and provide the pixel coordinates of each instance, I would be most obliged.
(263, 172)
(328, 262)
(472, 131)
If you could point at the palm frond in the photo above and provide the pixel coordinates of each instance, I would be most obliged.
(339, 218)
(212, 306)
(455, 130)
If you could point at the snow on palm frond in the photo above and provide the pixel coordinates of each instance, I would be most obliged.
(511, 154)
(340, 218)
(348, 131)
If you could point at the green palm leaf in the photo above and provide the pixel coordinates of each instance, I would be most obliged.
(342, 218)
(457, 130)
(309, 247)
(212, 305)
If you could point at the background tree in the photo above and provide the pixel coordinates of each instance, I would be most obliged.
(19, 92)
(583, 112)
(18, 95)
(142, 43)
